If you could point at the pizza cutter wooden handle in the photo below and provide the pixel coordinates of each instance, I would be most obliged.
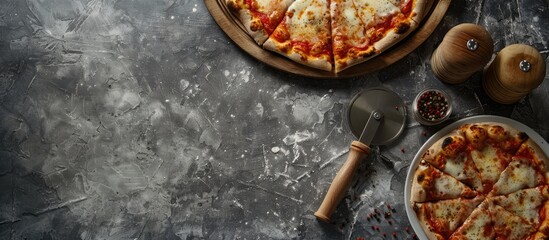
(342, 181)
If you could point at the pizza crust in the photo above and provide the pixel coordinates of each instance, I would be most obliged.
(393, 37)
(421, 8)
(355, 58)
(539, 154)
(314, 62)
(259, 35)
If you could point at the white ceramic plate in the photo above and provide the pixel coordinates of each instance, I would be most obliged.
(475, 119)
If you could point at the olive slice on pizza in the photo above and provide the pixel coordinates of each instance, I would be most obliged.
(431, 184)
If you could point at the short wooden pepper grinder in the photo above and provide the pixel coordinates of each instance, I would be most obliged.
(464, 50)
(516, 70)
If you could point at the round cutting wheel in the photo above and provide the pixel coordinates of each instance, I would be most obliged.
(382, 100)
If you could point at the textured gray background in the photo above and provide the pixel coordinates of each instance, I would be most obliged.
(142, 120)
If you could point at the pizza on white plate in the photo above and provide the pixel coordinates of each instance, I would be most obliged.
(483, 181)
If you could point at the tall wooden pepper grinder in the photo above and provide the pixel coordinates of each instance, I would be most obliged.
(464, 50)
(516, 70)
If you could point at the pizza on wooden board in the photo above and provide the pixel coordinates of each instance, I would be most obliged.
(330, 35)
(483, 181)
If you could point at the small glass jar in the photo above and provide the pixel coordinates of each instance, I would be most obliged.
(431, 107)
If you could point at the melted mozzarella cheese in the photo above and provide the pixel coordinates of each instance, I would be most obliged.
(383, 7)
(523, 203)
(488, 163)
(308, 20)
(449, 186)
(515, 177)
(456, 168)
(476, 229)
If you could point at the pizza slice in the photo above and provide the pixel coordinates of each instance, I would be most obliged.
(389, 21)
(530, 150)
(431, 184)
(526, 203)
(491, 147)
(521, 173)
(440, 219)
(259, 17)
(510, 226)
(362, 29)
(304, 34)
(478, 225)
(448, 155)
(350, 42)
(489, 221)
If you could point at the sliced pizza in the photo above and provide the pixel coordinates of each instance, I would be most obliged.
(350, 42)
(389, 21)
(521, 173)
(304, 34)
(526, 203)
(442, 218)
(431, 184)
(514, 189)
(510, 226)
(491, 147)
(259, 17)
(530, 150)
(478, 225)
(448, 155)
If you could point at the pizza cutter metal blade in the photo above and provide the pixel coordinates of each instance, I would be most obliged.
(376, 116)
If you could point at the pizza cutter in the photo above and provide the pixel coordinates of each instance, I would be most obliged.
(376, 116)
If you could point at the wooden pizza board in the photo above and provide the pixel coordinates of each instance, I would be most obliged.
(234, 29)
